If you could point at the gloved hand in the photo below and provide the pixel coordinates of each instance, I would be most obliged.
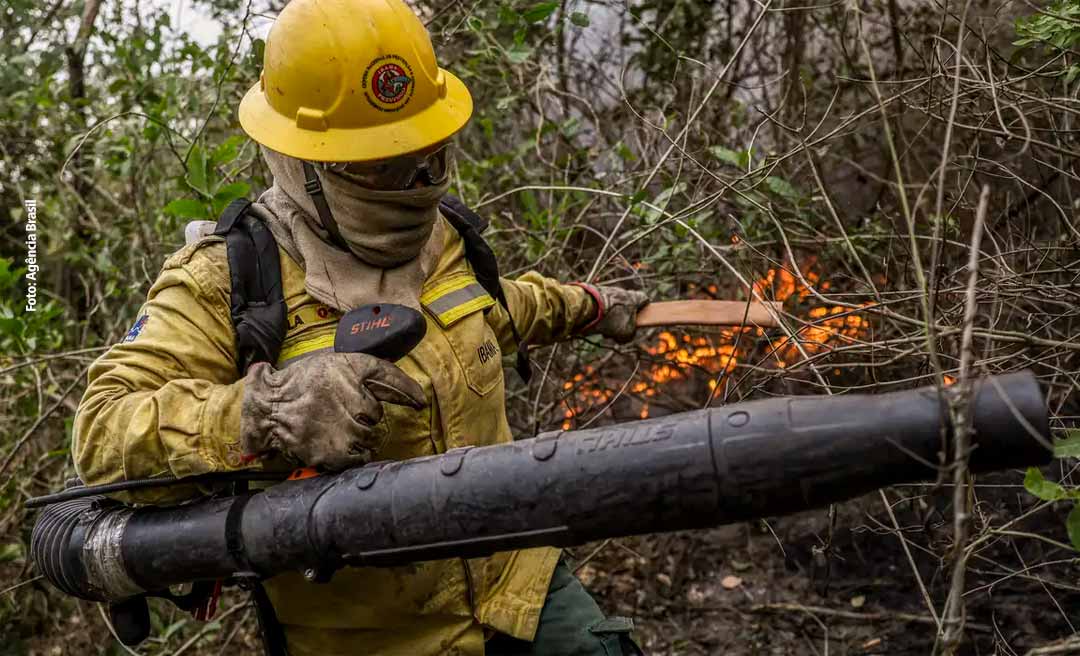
(616, 313)
(322, 410)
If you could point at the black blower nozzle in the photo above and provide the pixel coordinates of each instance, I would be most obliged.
(685, 471)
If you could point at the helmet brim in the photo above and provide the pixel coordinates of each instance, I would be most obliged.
(437, 122)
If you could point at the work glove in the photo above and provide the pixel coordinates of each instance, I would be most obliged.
(322, 411)
(616, 311)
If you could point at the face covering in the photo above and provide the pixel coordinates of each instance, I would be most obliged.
(382, 228)
(393, 239)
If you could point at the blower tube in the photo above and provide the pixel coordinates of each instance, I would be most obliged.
(685, 471)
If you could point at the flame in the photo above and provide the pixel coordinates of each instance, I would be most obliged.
(841, 323)
(717, 354)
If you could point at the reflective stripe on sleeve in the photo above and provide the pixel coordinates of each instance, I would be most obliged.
(454, 298)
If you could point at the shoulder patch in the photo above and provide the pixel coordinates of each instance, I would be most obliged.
(136, 328)
(454, 297)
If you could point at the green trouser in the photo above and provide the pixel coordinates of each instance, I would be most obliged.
(571, 624)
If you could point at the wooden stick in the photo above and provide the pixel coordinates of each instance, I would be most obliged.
(706, 313)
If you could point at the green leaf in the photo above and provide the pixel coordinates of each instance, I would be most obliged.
(227, 150)
(487, 126)
(11, 551)
(739, 158)
(1068, 447)
(186, 208)
(579, 19)
(196, 171)
(1071, 75)
(506, 16)
(725, 155)
(539, 12)
(661, 201)
(781, 187)
(518, 53)
(624, 152)
(173, 628)
(528, 200)
(570, 127)
(1042, 488)
(10, 326)
(1072, 526)
(7, 276)
(501, 104)
(228, 193)
(258, 47)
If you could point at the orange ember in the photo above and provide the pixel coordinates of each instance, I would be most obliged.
(716, 354)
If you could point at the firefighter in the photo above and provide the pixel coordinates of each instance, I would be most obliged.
(354, 119)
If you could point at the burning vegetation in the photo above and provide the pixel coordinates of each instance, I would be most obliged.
(678, 367)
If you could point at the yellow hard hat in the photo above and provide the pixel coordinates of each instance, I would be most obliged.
(352, 81)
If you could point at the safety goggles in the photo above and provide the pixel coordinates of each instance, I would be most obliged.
(400, 173)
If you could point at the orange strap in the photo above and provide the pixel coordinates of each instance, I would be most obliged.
(302, 473)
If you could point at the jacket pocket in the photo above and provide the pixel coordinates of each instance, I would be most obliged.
(457, 303)
(477, 352)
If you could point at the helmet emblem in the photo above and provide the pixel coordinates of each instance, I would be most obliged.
(388, 83)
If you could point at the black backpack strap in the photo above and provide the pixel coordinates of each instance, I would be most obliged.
(313, 187)
(257, 306)
(458, 211)
(469, 225)
(273, 633)
(257, 301)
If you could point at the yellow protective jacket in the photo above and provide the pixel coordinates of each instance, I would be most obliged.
(166, 400)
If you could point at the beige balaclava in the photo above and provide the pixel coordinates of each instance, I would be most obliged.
(394, 238)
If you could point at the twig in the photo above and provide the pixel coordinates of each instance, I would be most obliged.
(911, 559)
(689, 123)
(960, 408)
(207, 628)
(54, 356)
(220, 83)
(112, 631)
(41, 418)
(858, 617)
(21, 584)
(592, 554)
(1070, 645)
